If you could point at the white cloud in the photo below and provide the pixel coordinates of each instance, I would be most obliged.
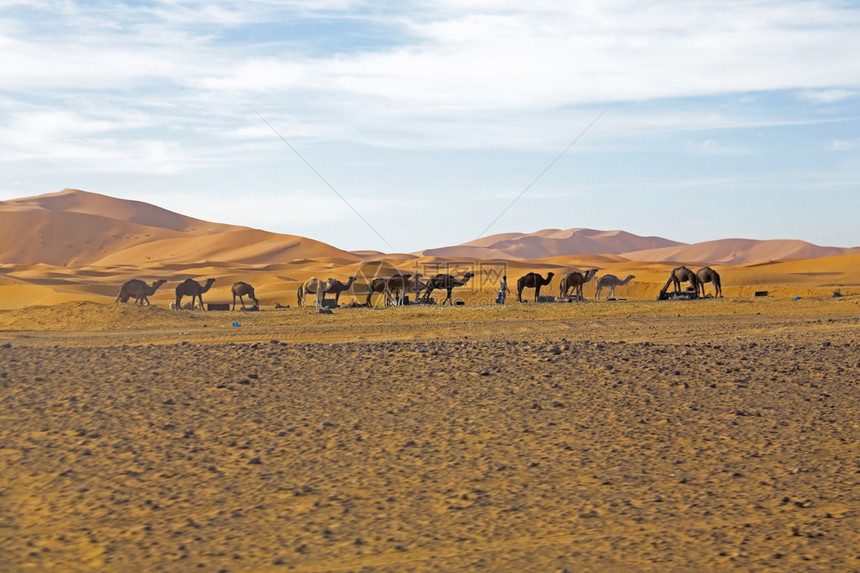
(843, 145)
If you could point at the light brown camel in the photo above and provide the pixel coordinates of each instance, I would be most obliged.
(532, 280)
(316, 287)
(611, 281)
(447, 282)
(193, 289)
(709, 275)
(575, 280)
(678, 276)
(139, 290)
(337, 287)
(241, 289)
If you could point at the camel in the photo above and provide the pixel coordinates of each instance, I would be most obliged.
(678, 276)
(532, 280)
(337, 287)
(447, 282)
(575, 280)
(241, 289)
(378, 284)
(139, 290)
(316, 287)
(611, 281)
(709, 275)
(193, 289)
(398, 283)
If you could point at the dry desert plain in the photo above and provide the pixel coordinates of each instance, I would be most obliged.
(602, 436)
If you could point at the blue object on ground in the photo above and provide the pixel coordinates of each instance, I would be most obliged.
(236, 324)
(796, 298)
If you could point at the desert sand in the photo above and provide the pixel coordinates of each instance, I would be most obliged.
(627, 435)
(648, 436)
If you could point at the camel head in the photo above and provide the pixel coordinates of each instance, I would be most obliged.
(158, 283)
(467, 276)
(589, 274)
(549, 278)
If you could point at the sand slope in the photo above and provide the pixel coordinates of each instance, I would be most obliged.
(739, 251)
(77, 228)
(555, 242)
(550, 243)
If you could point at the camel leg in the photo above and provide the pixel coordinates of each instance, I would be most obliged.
(597, 292)
(537, 293)
(200, 298)
(178, 302)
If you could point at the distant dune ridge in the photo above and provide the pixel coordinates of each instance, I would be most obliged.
(78, 228)
(556, 242)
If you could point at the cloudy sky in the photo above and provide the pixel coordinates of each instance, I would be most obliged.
(409, 125)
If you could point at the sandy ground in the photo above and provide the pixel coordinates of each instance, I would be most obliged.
(710, 435)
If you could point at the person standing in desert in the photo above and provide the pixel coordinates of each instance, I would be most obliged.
(503, 290)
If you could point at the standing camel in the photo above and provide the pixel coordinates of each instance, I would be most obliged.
(337, 287)
(709, 275)
(398, 284)
(193, 289)
(241, 289)
(316, 287)
(678, 276)
(575, 280)
(387, 286)
(532, 280)
(139, 290)
(611, 281)
(447, 282)
(377, 285)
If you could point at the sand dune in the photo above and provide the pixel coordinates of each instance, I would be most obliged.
(739, 251)
(76, 228)
(556, 242)
(551, 242)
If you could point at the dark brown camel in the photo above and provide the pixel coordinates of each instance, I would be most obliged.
(397, 284)
(337, 287)
(678, 276)
(709, 275)
(575, 280)
(447, 282)
(139, 290)
(532, 280)
(241, 289)
(193, 289)
(387, 286)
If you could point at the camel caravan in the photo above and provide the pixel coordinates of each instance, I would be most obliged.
(396, 289)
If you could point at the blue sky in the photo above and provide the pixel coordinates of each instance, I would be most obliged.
(720, 118)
